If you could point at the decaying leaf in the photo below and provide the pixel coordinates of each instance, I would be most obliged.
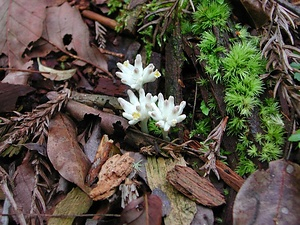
(76, 203)
(108, 121)
(64, 29)
(9, 95)
(21, 23)
(270, 197)
(182, 208)
(65, 153)
(24, 184)
(54, 74)
(135, 213)
(113, 172)
(195, 187)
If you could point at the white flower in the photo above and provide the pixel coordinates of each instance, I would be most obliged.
(134, 75)
(166, 113)
(136, 110)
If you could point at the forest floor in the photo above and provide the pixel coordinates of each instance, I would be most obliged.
(149, 112)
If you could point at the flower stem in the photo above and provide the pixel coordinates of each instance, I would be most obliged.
(144, 126)
(165, 135)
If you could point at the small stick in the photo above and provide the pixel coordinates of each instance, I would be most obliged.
(101, 19)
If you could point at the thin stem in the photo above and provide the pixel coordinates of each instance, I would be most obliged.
(144, 126)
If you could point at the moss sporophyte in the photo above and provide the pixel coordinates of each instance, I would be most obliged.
(140, 109)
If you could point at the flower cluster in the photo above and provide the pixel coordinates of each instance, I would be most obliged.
(134, 75)
(140, 109)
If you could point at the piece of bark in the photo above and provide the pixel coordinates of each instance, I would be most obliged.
(111, 175)
(195, 187)
(180, 210)
(230, 177)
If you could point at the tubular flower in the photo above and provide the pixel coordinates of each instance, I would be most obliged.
(166, 113)
(136, 110)
(134, 75)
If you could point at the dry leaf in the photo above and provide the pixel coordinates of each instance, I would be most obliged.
(19, 77)
(111, 175)
(64, 152)
(270, 197)
(65, 29)
(24, 182)
(108, 121)
(135, 213)
(76, 203)
(9, 95)
(21, 23)
(54, 74)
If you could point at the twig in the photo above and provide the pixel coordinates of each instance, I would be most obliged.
(101, 19)
(22, 70)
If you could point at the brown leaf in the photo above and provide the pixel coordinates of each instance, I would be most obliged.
(64, 151)
(65, 29)
(111, 175)
(79, 110)
(21, 23)
(270, 197)
(23, 186)
(9, 95)
(195, 187)
(135, 213)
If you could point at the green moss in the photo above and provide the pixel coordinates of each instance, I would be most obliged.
(210, 13)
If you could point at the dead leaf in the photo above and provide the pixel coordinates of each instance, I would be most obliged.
(135, 213)
(64, 152)
(108, 121)
(111, 175)
(19, 77)
(54, 74)
(9, 95)
(21, 23)
(270, 197)
(24, 182)
(76, 203)
(195, 187)
(65, 30)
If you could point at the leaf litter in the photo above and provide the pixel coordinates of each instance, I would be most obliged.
(63, 184)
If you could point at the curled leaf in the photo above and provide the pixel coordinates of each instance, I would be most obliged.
(54, 74)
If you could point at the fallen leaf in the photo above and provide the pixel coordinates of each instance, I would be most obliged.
(19, 77)
(65, 153)
(111, 175)
(108, 120)
(270, 197)
(65, 29)
(54, 74)
(24, 182)
(9, 95)
(76, 203)
(204, 216)
(135, 213)
(21, 23)
(197, 188)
